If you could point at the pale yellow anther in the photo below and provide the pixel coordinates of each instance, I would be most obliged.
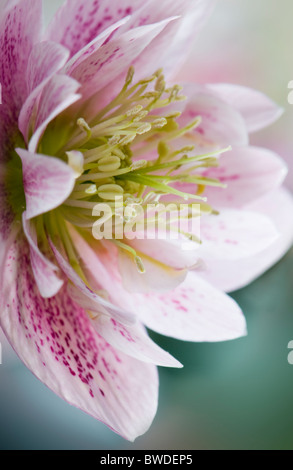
(76, 162)
(114, 140)
(159, 123)
(160, 84)
(158, 72)
(130, 75)
(188, 148)
(192, 237)
(181, 98)
(144, 128)
(84, 126)
(127, 139)
(140, 116)
(110, 191)
(119, 153)
(92, 189)
(139, 164)
(173, 115)
(109, 164)
(147, 80)
(151, 95)
(130, 213)
(174, 92)
(132, 200)
(139, 264)
(197, 121)
(134, 111)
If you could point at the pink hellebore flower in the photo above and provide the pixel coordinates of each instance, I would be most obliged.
(86, 115)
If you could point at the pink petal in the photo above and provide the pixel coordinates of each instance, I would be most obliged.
(230, 275)
(194, 311)
(170, 48)
(248, 172)
(221, 123)
(257, 109)
(133, 341)
(92, 46)
(113, 59)
(47, 182)
(76, 24)
(45, 272)
(235, 234)
(20, 26)
(56, 341)
(88, 299)
(58, 94)
(45, 60)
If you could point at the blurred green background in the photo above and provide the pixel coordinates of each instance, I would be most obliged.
(233, 395)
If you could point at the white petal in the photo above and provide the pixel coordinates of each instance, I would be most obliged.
(231, 275)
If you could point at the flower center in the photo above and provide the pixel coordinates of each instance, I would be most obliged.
(131, 150)
(107, 153)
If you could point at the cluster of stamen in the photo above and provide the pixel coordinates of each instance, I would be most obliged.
(107, 154)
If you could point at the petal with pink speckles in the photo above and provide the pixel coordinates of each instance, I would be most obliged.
(86, 297)
(47, 182)
(56, 341)
(258, 110)
(46, 59)
(133, 341)
(20, 29)
(235, 234)
(230, 275)
(112, 60)
(44, 271)
(77, 23)
(93, 46)
(248, 172)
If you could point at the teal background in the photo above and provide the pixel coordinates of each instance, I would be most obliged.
(233, 395)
